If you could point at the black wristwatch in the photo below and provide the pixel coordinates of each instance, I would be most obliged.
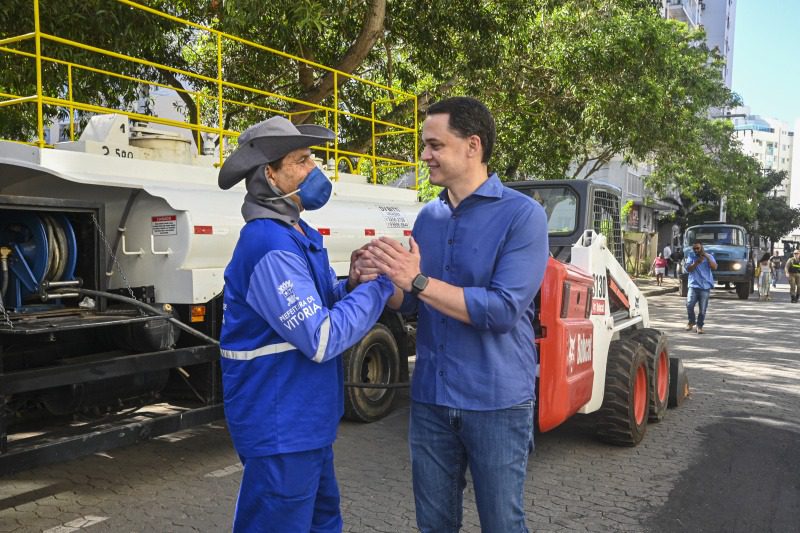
(419, 283)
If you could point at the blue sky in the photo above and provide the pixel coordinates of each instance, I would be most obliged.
(766, 57)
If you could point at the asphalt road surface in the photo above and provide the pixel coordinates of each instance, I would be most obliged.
(727, 460)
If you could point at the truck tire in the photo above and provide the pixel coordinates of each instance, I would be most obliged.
(375, 359)
(684, 287)
(623, 415)
(659, 368)
(743, 290)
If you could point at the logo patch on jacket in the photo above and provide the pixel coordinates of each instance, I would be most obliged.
(287, 291)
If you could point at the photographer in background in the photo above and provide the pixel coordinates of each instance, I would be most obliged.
(699, 265)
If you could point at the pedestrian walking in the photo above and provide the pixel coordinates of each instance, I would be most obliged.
(285, 322)
(793, 275)
(473, 383)
(659, 268)
(699, 265)
(764, 277)
(775, 264)
(666, 253)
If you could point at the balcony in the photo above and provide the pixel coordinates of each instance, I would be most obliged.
(687, 11)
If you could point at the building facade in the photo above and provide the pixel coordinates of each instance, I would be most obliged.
(768, 140)
(719, 21)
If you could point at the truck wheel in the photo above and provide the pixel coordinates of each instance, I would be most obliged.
(374, 360)
(623, 415)
(658, 367)
(684, 287)
(743, 290)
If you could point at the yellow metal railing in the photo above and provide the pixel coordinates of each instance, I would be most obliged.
(327, 111)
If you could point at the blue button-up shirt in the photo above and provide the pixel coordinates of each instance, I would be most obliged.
(701, 277)
(494, 245)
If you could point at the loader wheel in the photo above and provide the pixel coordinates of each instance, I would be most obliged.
(658, 367)
(374, 360)
(623, 415)
(743, 290)
(684, 287)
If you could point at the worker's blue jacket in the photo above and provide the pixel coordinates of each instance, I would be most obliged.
(285, 321)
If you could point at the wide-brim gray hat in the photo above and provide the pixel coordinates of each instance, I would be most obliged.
(266, 142)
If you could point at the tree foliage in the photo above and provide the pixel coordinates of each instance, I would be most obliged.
(109, 26)
(709, 165)
(588, 80)
(776, 219)
(773, 218)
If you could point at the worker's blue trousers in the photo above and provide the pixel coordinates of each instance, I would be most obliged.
(289, 493)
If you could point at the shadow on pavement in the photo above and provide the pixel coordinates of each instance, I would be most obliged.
(746, 479)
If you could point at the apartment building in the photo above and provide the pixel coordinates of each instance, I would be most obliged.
(717, 17)
(768, 140)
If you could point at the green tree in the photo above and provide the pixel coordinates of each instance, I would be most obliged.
(776, 219)
(111, 26)
(584, 81)
(696, 174)
(773, 217)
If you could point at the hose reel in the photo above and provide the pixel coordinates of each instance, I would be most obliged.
(37, 248)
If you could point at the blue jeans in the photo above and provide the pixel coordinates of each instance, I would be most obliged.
(288, 493)
(694, 297)
(495, 446)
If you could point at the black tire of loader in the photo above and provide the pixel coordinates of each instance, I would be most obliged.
(374, 359)
(658, 367)
(618, 422)
(743, 290)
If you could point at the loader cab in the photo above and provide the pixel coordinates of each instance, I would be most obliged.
(573, 206)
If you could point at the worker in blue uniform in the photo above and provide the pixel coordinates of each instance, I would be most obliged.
(286, 320)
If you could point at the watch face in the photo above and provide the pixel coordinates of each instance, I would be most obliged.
(419, 283)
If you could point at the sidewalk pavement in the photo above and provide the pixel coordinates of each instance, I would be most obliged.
(649, 287)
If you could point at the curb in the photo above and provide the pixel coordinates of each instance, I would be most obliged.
(659, 291)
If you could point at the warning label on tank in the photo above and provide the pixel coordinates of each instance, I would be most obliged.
(393, 217)
(164, 225)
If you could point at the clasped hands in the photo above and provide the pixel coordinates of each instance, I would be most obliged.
(385, 256)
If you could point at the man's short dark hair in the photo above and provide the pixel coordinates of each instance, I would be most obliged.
(468, 116)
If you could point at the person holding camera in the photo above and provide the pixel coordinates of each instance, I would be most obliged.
(699, 265)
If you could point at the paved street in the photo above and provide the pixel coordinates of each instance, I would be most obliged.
(727, 460)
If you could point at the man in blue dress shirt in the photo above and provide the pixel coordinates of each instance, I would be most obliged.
(476, 260)
(699, 265)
